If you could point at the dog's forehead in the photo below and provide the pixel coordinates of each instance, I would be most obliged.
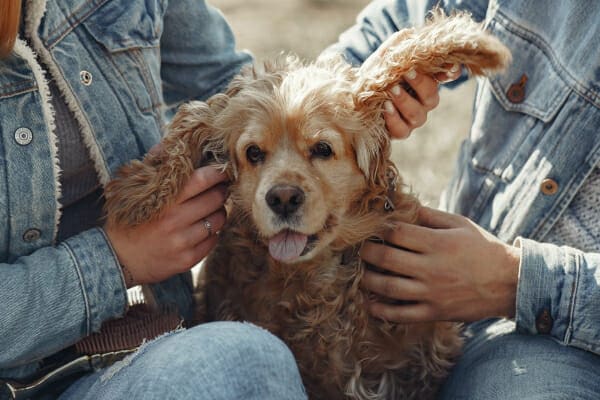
(291, 129)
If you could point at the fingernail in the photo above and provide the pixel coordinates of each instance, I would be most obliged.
(388, 106)
(454, 69)
(412, 74)
(395, 90)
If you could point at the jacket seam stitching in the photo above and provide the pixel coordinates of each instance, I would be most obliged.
(574, 292)
(73, 22)
(149, 83)
(82, 286)
(17, 92)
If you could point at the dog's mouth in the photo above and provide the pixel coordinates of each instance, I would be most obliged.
(288, 245)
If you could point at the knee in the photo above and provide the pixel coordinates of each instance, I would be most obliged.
(243, 345)
(235, 360)
(499, 364)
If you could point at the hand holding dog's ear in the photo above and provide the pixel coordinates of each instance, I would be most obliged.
(432, 50)
(411, 100)
(181, 237)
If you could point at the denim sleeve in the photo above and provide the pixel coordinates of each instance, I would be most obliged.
(198, 55)
(558, 294)
(381, 18)
(57, 295)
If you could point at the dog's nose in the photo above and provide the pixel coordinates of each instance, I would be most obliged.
(284, 200)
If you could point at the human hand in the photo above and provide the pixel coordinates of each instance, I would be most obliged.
(446, 268)
(159, 249)
(413, 99)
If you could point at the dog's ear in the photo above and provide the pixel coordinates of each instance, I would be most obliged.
(196, 137)
(442, 42)
(142, 189)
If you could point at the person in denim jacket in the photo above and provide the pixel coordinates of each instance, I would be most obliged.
(527, 268)
(86, 87)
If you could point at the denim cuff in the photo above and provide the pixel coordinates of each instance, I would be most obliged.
(102, 284)
(546, 288)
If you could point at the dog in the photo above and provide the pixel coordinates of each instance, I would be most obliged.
(308, 154)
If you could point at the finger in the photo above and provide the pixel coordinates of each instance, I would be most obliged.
(392, 259)
(432, 218)
(410, 236)
(426, 88)
(196, 254)
(406, 313)
(204, 247)
(396, 126)
(453, 73)
(156, 149)
(201, 180)
(394, 287)
(411, 110)
(206, 227)
(202, 205)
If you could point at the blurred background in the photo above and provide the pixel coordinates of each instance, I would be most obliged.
(306, 27)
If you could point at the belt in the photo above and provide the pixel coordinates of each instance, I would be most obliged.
(59, 378)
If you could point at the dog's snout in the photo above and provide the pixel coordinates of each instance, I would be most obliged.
(284, 200)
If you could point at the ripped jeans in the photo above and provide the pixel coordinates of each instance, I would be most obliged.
(219, 360)
(500, 364)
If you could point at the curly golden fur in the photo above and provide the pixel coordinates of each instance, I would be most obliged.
(309, 159)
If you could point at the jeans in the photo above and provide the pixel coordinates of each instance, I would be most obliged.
(220, 360)
(499, 363)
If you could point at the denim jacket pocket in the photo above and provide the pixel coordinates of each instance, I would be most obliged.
(129, 31)
(514, 106)
(15, 78)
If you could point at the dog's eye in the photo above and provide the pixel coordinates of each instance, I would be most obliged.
(322, 150)
(254, 154)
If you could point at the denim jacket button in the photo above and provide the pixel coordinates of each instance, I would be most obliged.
(23, 136)
(32, 235)
(544, 322)
(549, 187)
(85, 77)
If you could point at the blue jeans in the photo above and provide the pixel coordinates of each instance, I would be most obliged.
(499, 363)
(220, 360)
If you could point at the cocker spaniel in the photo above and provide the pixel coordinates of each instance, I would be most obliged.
(308, 154)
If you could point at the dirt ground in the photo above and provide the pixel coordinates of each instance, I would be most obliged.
(305, 27)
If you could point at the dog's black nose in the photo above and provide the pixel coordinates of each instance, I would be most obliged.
(284, 200)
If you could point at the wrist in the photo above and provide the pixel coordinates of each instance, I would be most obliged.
(126, 272)
(127, 276)
(511, 278)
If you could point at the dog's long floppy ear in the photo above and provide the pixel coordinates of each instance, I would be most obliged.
(442, 42)
(142, 190)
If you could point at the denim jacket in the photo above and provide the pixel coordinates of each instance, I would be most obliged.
(123, 66)
(528, 151)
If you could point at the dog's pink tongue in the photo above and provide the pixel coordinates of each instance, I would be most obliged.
(287, 245)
